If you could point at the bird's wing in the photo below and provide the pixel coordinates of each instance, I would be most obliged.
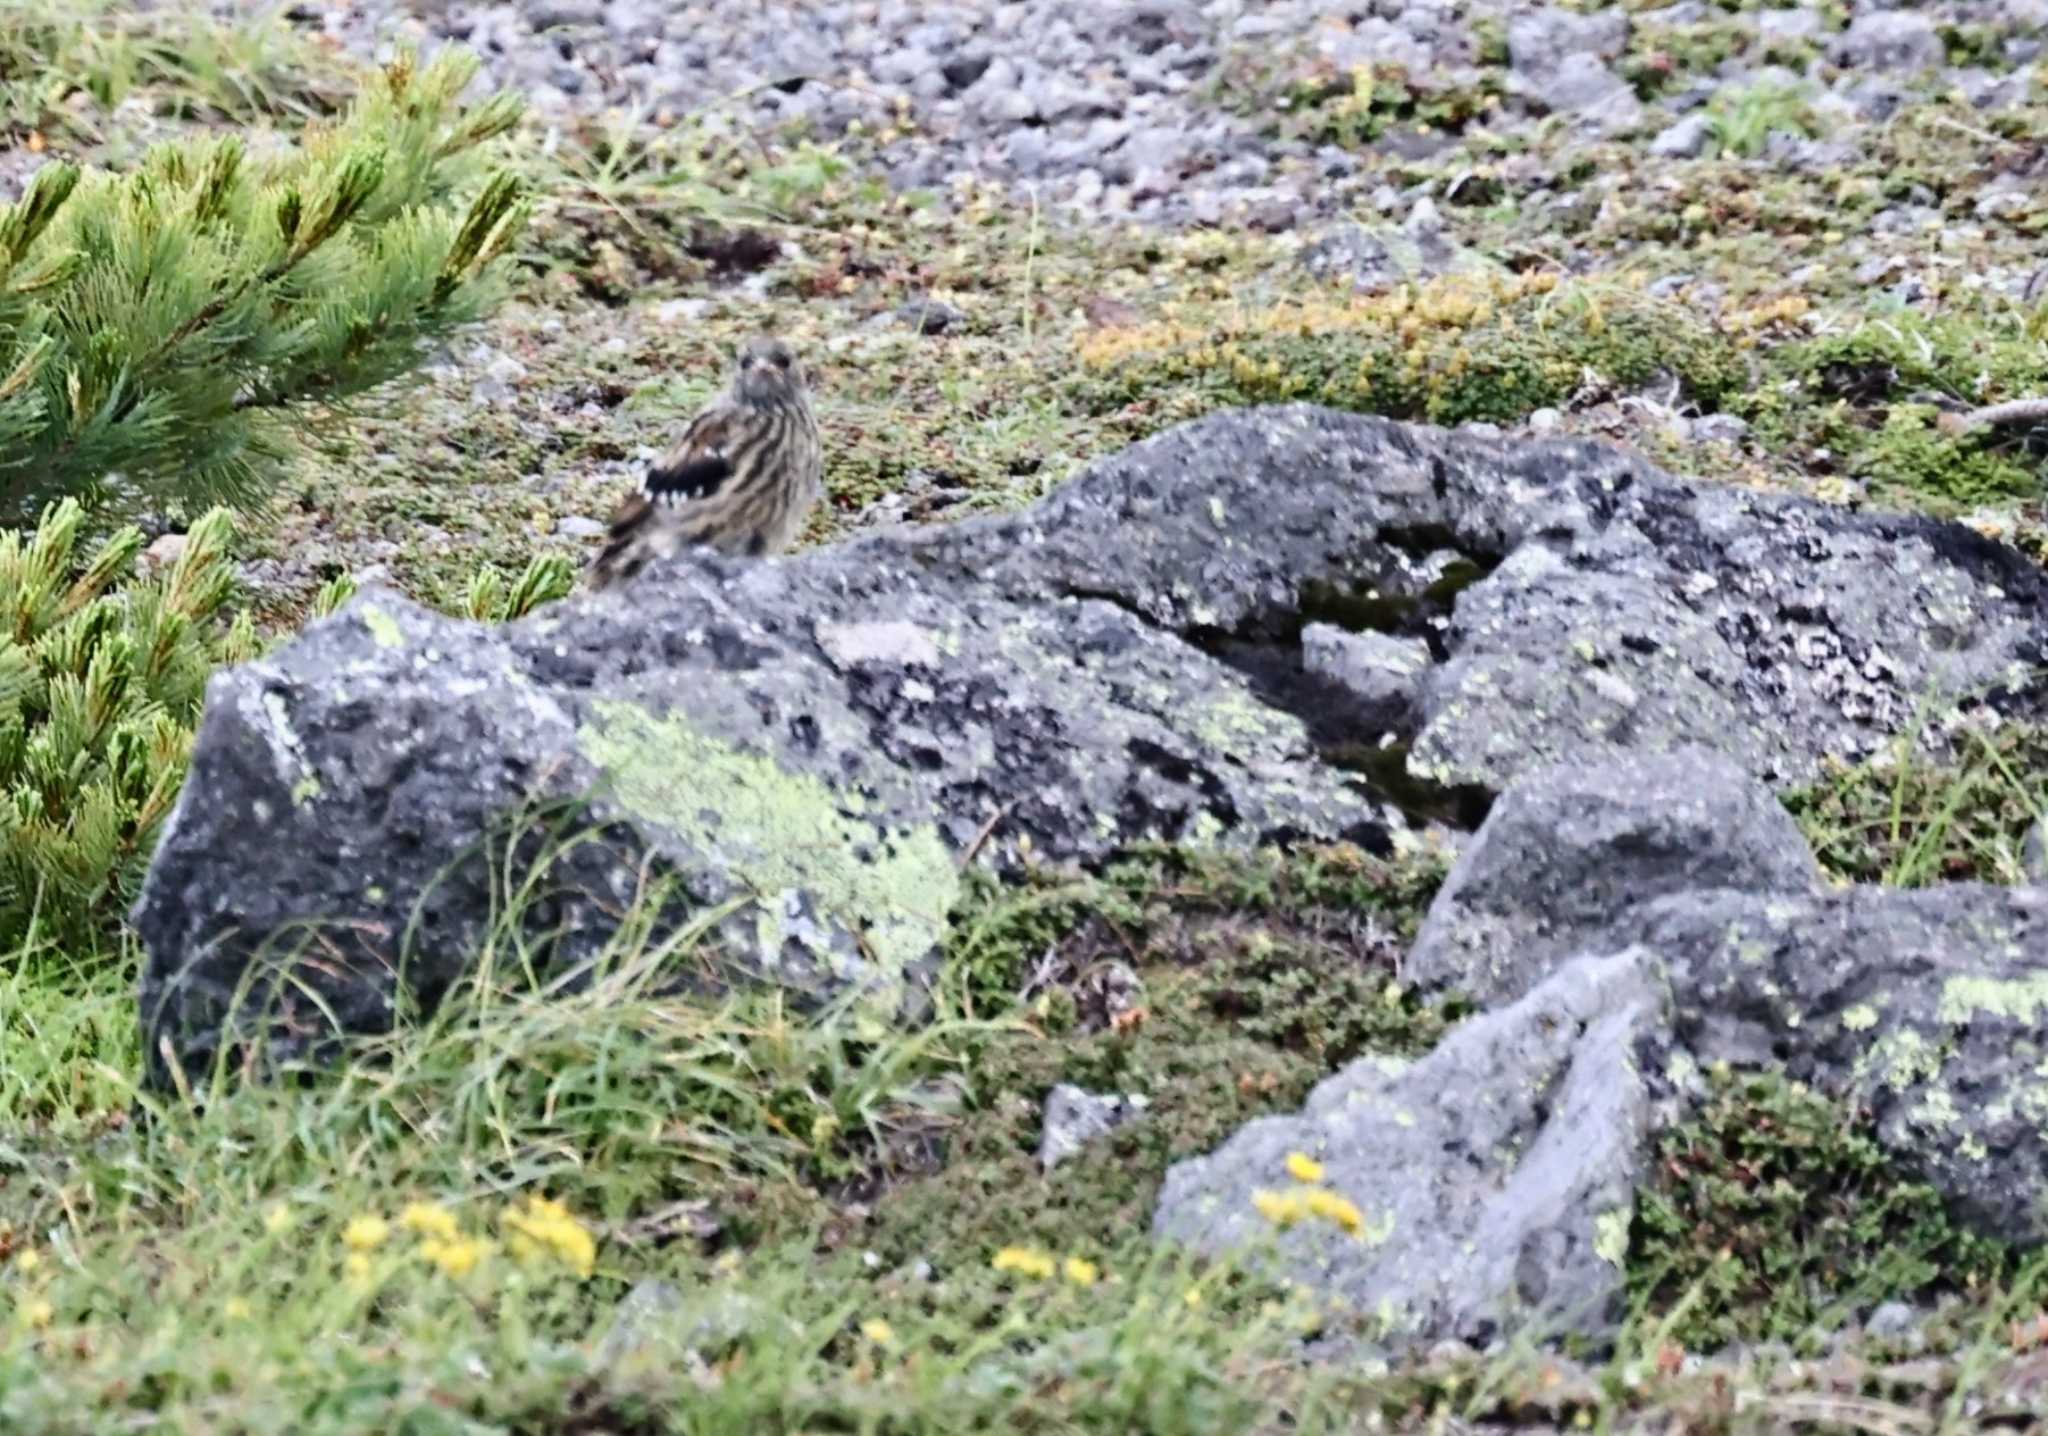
(697, 465)
(694, 468)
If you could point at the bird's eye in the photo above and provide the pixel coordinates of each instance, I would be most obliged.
(782, 361)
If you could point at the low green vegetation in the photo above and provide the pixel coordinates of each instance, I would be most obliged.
(1775, 1215)
(176, 324)
(1908, 821)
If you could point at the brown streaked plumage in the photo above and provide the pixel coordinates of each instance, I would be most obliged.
(741, 479)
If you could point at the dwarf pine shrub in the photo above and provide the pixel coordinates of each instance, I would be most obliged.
(101, 676)
(164, 333)
(546, 578)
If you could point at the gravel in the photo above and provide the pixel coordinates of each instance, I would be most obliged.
(1160, 110)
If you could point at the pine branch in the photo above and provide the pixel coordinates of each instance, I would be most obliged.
(179, 325)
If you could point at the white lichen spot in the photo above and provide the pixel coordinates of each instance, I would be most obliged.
(1217, 511)
(1903, 1057)
(305, 791)
(888, 641)
(1936, 1109)
(1860, 1018)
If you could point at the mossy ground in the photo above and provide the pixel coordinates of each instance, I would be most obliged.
(827, 1206)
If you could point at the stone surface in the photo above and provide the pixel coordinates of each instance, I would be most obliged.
(1493, 1178)
(1927, 1007)
(1894, 41)
(1381, 673)
(1567, 850)
(1372, 258)
(1684, 139)
(1075, 1117)
(816, 740)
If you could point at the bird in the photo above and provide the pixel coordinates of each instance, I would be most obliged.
(741, 480)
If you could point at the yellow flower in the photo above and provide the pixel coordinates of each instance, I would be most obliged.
(1080, 1272)
(546, 1226)
(1282, 1209)
(1331, 1207)
(277, 1218)
(878, 1331)
(430, 1219)
(235, 1309)
(357, 1266)
(365, 1233)
(1025, 1261)
(28, 1261)
(37, 1312)
(1193, 1297)
(456, 1256)
(1304, 1168)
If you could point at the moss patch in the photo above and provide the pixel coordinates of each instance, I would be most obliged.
(1255, 978)
(1775, 1215)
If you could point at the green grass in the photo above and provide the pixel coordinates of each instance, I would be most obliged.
(182, 65)
(1906, 821)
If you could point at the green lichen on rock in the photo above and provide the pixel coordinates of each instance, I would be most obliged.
(778, 831)
(382, 626)
(2020, 1000)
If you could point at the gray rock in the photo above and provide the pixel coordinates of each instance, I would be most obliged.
(1383, 674)
(1687, 139)
(814, 740)
(1074, 1117)
(1894, 41)
(1771, 633)
(1540, 40)
(929, 316)
(657, 1322)
(2034, 853)
(1928, 1008)
(1493, 1179)
(1588, 91)
(1566, 852)
(1379, 257)
(1718, 429)
(1894, 1321)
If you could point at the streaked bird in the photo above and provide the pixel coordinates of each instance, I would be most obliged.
(741, 480)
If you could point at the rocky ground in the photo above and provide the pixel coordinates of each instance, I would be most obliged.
(1177, 110)
(1075, 193)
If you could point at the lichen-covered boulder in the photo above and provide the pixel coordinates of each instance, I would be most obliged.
(1580, 603)
(815, 745)
(799, 751)
(1928, 1008)
(1567, 850)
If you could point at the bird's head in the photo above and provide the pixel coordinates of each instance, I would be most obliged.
(769, 374)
